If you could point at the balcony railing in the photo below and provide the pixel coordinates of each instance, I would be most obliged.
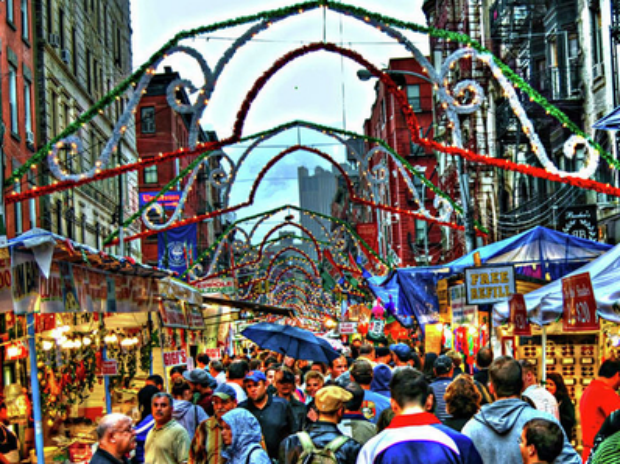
(558, 82)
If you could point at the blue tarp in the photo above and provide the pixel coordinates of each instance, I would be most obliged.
(538, 252)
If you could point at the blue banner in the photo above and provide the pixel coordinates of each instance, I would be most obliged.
(176, 248)
(169, 200)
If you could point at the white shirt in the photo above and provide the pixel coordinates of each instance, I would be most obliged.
(241, 395)
(220, 378)
(542, 399)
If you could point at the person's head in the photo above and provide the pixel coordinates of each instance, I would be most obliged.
(115, 434)
(238, 370)
(556, 386)
(505, 377)
(402, 353)
(319, 366)
(224, 399)
(383, 355)
(255, 384)
(240, 429)
(367, 351)
(200, 381)
(361, 373)
(285, 383)
(314, 382)
(270, 374)
(156, 380)
(541, 441)
(429, 364)
(484, 358)
(455, 357)
(181, 390)
(462, 397)
(330, 402)
(610, 373)
(409, 389)
(202, 360)
(176, 373)
(162, 408)
(289, 362)
(416, 361)
(338, 367)
(443, 366)
(355, 403)
(215, 367)
(145, 395)
(269, 361)
(529, 373)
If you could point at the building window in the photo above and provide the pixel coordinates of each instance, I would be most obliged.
(10, 11)
(50, 21)
(19, 220)
(28, 110)
(54, 108)
(147, 119)
(597, 39)
(105, 25)
(25, 28)
(150, 174)
(32, 203)
(88, 72)
(118, 56)
(13, 99)
(74, 50)
(382, 111)
(413, 96)
(61, 28)
(420, 231)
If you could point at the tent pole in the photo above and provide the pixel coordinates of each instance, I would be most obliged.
(161, 352)
(36, 393)
(544, 355)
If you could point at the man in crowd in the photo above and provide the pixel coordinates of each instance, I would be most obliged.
(207, 443)
(236, 374)
(496, 429)
(274, 414)
(444, 369)
(402, 354)
(338, 367)
(116, 439)
(330, 402)
(374, 403)
(536, 394)
(155, 380)
(168, 442)
(217, 371)
(383, 355)
(202, 361)
(202, 384)
(367, 353)
(270, 374)
(353, 423)
(415, 435)
(541, 442)
(484, 358)
(285, 386)
(598, 401)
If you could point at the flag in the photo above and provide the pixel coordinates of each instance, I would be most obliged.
(177, 247)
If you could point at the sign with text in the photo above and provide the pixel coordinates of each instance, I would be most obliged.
(462, 313)
(433, 333)
(486, 285)
(347, 328)
(580, 221)
(172, 314)
(194, 317)
(169, 200)
(518, 315)
(109, 367)
(224, 285)
(174, 358)
(14, 351)
(579, 303)
(214, 353)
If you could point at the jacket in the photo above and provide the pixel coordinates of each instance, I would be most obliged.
(597, 402)
(321, 434)
(142, 430)
(246, 437)
(495, 431)
(188, 415)
(381, 380)
(103, 457)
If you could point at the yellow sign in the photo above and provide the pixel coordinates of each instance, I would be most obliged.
(432, 338)
(486, 285)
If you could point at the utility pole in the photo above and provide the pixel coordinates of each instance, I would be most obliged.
(121, 220)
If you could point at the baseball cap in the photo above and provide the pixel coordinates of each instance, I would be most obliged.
(225, 392)
(201, 377)
(382, 351)
(401, 350)
(255, 376)
(443, 364)
(332, 398)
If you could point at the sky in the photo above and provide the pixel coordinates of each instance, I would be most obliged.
(322, 87)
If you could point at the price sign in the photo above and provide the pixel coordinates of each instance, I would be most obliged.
(348, 327)
(109, 367)
(175, 358)
(518, 313)
(579, 303)
(214, 353)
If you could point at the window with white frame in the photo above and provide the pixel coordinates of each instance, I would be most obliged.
(150, 175)
(25, 27)
(10, 11)
(413, 96)
(28, 108)
(13, 99)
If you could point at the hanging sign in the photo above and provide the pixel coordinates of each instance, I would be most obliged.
(169, 200)
(457, 303)
(347, 328)
(224, 285)
(174, 358)
(172, 314)
(195, 320)
(15, 351)
(580, 222)
(433, 334)
(486, 285)
(214, 353)
(109, 367)
(579, 303)
(375, 329)
(518, 314)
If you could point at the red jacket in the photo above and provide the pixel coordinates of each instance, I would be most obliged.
(597, 402)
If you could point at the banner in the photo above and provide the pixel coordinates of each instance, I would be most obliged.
(216, 331)
(518, 315)
(222, 285)
(175, 358)
(347, 328)
(176, 248)
(169, 200)
(579, 303)
(172, 314)
(195, 320)
(580, 221)
(368, 233)
(490, 284)
(6, 299)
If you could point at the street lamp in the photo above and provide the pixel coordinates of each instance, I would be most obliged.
(468, 222)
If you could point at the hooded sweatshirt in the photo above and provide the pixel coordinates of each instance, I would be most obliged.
(246, 438)
(495, 431)
(381, 380)
(188, 415)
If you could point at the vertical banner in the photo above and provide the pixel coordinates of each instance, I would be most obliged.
(579, 303)
(176, 248)
(25, 276)
(518, 314)
(69, 290)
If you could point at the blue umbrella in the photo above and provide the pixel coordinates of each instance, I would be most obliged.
(291, 341)
(610, 121)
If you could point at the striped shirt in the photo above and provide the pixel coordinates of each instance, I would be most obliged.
(608, 452)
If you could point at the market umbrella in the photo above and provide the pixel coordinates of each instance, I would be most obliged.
(291, 341)
(610, 121)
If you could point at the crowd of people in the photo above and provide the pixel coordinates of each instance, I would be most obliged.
(379, 405)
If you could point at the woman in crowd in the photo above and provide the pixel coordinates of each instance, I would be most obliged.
(186, 413)
(556, 386)
(462, 401)
(241, 434)
(314, 382)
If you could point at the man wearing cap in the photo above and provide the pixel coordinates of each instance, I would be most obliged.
(206, 447)
(443, 377)
(285, 387)
(274, 414)
(202, 384)
(383, 355)
(374, 403)
(402, 354)
(236, 375)
(353, 423)
(330, 402)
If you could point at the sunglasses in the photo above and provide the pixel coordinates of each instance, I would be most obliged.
(568, 370)
(587, 350)
(551, 369)
(568, 350)
(587, 371)
(529, 351)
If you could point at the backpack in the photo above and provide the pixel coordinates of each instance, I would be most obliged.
(312, 455)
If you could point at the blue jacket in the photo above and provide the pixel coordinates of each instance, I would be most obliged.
(246, 438)
(495, 431)
(188, 415)
(373, 405)
(142, 429)
(381, 380)
(439, 387)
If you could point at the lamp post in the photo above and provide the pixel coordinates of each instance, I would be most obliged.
(468, 216)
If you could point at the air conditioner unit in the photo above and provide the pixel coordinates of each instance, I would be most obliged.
(54, 40)
(65, 56)
(29, 137)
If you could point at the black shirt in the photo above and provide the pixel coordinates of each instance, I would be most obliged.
(103, 457)
(276, 420)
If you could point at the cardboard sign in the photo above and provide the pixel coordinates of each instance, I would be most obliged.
(109, 367)
(518, 315)
(347, 328)
(214, 353)
(175, 358)
(486, 285)
(433, 334)
(579, 303)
